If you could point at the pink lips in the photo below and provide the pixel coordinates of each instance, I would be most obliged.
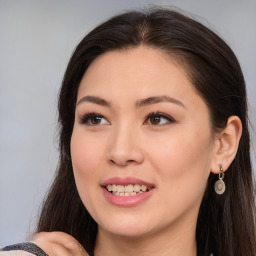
(126, 201)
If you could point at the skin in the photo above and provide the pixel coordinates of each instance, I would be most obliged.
(58, 244)
(176, 155)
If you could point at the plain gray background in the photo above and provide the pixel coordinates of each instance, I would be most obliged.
(36, 40)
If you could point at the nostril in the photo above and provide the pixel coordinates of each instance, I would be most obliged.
(121, 163)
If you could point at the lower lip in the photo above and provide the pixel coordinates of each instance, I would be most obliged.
(126, 201)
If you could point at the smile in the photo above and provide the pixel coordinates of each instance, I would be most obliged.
(128, 190)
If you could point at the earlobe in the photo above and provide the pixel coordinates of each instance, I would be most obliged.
(226, 144)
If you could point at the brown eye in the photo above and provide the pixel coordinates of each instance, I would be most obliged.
(155, 120)
(93, 119)
(159, 119)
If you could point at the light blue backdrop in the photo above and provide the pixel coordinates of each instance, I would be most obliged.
(36, 41)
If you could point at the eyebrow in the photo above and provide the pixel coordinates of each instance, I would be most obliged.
(158, 99)
(139, 103)
(95, 100)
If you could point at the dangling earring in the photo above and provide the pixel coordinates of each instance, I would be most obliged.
(219, 184)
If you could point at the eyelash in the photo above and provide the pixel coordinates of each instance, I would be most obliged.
(88, 117)
(159, 115)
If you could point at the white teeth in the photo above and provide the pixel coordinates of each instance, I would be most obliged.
(143, 188)
(128, 190)
(120, 188)
(136, 188)
(114, 188)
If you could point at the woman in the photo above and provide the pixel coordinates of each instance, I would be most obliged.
(154, 145)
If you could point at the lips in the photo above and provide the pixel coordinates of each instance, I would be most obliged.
(127, 191)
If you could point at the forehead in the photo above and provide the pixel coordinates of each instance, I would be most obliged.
(140, 69)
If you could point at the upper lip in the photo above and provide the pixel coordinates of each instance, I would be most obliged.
(126, 181)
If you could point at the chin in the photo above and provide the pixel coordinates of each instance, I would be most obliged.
(127, 228)
(129, 232)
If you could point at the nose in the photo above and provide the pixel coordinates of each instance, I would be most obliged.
(125, 148)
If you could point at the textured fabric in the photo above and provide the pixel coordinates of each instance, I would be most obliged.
(28, 247)
(16, 253)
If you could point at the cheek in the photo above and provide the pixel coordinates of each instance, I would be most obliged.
(86, 158)
(183, 162)
(87, 151)
(82, 154)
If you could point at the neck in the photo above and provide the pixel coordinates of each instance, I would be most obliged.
(170, 241)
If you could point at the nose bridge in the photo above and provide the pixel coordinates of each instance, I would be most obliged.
(124, 147)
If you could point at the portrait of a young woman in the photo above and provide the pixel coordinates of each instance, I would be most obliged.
(154, 145)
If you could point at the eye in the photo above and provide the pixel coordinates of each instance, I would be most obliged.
(93, 119)
(158, 119)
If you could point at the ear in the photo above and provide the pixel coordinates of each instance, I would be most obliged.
(226, 144)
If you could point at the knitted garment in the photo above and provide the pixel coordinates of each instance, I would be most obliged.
(15, 253)
(28, 247)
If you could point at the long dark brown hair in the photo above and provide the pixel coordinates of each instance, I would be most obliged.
(226, 223)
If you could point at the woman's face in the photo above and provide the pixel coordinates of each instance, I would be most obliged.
(142, 146)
